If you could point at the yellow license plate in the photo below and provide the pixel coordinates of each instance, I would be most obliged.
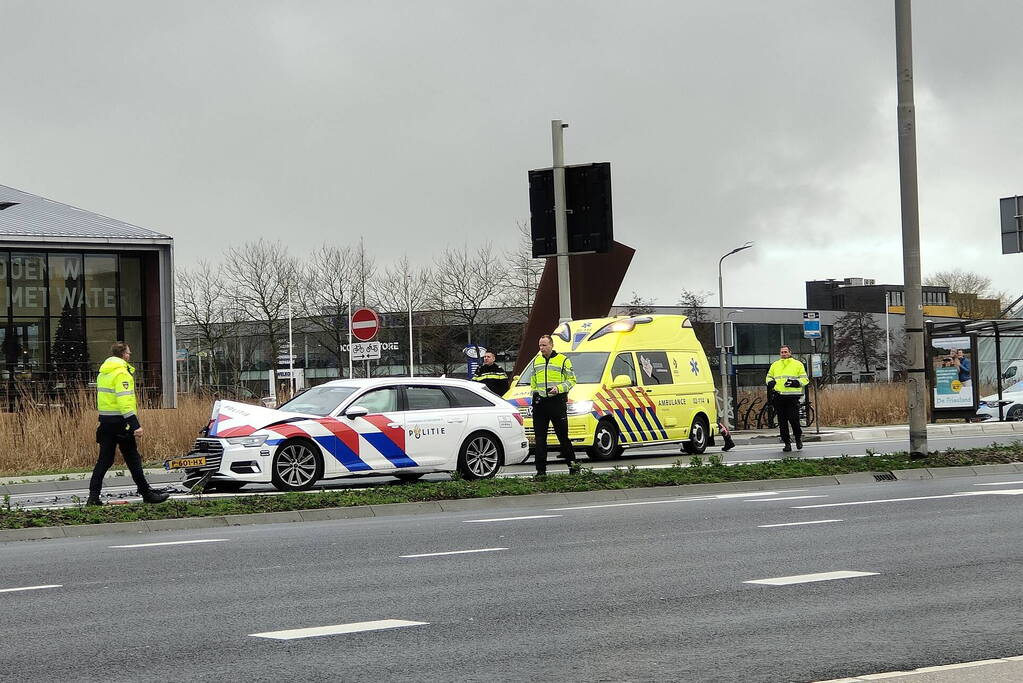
(184, 462)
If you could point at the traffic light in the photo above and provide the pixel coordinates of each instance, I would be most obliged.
(588, 200)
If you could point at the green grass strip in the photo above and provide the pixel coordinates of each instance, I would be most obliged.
(699, 471)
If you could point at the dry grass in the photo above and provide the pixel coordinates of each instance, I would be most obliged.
(42, 439)
(863, 404)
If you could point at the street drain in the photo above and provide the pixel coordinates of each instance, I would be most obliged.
(887, 476)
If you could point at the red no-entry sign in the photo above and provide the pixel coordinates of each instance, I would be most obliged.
(365, 324)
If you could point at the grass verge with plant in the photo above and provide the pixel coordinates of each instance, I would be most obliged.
(713, 471)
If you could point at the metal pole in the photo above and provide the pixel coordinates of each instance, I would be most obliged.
(916, 386)
(722, 361)
(351, 294)
(291, 347)
(816, 389)
(411, 358)
(561, 220)
(198, 355)
(887, 339)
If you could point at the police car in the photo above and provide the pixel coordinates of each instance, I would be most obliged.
(1011, 405)
(399, 426)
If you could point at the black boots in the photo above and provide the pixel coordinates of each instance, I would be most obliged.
(153, 497)
(787, 449)
(93, 500)
(799, 443)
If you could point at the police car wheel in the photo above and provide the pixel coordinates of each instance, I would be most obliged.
(297, 465)
(480, 457)
(698, 437)
(606, 444)
(1015, 414)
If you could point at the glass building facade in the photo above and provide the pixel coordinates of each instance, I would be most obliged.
(61, 310)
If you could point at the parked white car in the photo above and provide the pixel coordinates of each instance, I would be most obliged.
(400, 426)
(1012, 405)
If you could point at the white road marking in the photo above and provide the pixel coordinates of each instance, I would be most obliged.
(922, 670)
(810, 578)
(999, 483)
(337, 629)
(30, 588)
(667, 500)
(1006, 492)
(152, 545)
(816, 521)
(764, 500)
(456, 552)
(508, 519)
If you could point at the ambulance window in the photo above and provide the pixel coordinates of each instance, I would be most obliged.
(654, 368)
(379, 400)
(624, 365)
(426, 398)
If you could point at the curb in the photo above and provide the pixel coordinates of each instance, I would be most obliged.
(498, 503)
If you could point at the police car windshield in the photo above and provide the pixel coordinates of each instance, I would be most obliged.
(588, 366)
(318, 400)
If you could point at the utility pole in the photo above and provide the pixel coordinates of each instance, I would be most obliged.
(561, 220)
(916, 386)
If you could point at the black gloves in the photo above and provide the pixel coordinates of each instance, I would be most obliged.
(770, 385)
(792, 383)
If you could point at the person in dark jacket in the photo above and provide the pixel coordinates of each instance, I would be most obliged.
(491, 375)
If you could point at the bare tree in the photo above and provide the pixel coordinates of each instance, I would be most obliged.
(858, 339)
(637, 305)
(524, 271)
(968, 291)
(203, 302)
(327, 283)
(694, 304)
(403, 288)
(261, 273)
(467, 282)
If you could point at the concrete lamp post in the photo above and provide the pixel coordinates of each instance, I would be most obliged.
(722, 364)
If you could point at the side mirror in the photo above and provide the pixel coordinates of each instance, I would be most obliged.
(621, 381)
(356, 411)
(515, 379)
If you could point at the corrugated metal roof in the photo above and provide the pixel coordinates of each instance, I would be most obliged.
(26, 215)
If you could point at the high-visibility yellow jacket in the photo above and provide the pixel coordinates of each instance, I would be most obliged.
(115, 393)
(784, 369)
(493, 378)
(554, 371)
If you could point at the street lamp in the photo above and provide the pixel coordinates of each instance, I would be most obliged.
(722, 364)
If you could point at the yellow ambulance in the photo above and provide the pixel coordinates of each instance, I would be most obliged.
(641, 380)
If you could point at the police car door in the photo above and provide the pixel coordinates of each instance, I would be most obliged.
(381, 435)
(433, 426)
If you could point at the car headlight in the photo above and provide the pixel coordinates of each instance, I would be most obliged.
(580, 407)
(247, 441)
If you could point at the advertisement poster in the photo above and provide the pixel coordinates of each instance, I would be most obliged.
(953, 372)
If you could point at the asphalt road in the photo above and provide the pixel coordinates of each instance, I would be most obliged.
(640, 457)
(648, 590)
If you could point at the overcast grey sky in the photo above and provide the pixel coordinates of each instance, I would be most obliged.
(413, 124)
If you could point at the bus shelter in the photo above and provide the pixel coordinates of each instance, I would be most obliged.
(991, 351)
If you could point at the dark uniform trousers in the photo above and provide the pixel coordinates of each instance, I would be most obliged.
(551, 411)
(110, 436)
(787, 408)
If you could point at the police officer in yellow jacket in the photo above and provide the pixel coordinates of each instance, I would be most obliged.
(552, 379)
(118, 424)
(491, 375)
(785, 381)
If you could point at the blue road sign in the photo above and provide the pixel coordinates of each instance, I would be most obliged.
(812, 324)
